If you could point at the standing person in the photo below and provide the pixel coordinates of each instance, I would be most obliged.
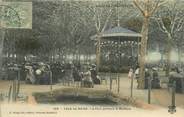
(147, 77)
(87, 80)
(68, 77)
(130, 73)
(94, 77)
(136, 76)
(30, 77)
(137, 72)
(155, 80)
(77, 76)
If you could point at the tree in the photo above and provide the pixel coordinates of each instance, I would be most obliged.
(101, 17)
(170, 19)
(147, 9)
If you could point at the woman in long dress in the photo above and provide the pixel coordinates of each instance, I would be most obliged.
(30, 74)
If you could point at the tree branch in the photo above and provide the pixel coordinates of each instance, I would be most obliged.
(137, 4)
(158, 4)
(107, 20)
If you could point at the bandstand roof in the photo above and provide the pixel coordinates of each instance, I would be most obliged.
(119, 33)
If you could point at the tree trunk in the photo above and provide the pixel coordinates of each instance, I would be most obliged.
(168, 55)
(143, 52)
(2, 33)
(98, 53)
(179, 56)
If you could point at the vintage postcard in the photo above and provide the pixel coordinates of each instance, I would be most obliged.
(95, 58)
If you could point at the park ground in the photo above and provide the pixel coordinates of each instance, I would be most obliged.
(159, 97)
(160, 100)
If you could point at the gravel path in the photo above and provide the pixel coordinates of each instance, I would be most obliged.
(159, 97)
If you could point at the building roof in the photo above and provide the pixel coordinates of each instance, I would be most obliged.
(119, 33)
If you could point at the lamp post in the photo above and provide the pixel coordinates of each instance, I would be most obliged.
(172, 107)
(132, 75)
(149, 85)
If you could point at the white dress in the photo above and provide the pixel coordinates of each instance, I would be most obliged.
(30, 75)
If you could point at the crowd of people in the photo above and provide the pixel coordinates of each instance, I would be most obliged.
(150, 73)
(81, 75)
(46, 73)
(176, 75)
